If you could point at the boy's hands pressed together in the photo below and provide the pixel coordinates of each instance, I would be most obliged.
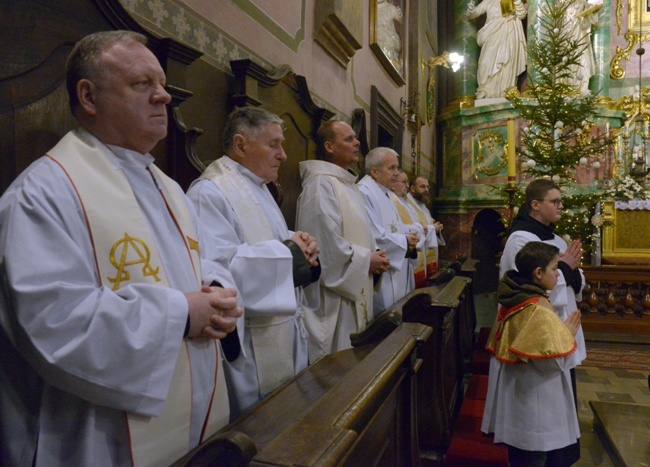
(573, 322)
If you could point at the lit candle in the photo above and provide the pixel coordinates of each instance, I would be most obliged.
(512, 168)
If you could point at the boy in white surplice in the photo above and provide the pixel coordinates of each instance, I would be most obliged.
(529, 404)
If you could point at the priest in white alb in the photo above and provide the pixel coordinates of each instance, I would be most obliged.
(269, 263)
(333, 210)
(410, 223)
(382, 167)
(418, 197)
(108, 316)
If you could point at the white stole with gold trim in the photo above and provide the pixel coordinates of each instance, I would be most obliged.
(270, 335)
(125, 253)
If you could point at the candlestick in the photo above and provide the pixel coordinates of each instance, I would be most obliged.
(512, 167)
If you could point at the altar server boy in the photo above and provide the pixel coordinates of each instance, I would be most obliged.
(529, 404)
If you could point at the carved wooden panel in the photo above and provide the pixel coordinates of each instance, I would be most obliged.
(440, 379)
(34, 114)
(386, 125)
(616, 299)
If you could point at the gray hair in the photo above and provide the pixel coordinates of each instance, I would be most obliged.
(83, 61)
(375, 158)
(247, 120)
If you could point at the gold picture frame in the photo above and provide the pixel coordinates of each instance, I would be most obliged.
(638, 16)
(638, 32)
(387, 34)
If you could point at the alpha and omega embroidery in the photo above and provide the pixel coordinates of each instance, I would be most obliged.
(132, 251)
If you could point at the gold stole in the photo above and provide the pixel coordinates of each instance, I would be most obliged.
(431, 255)
(420, 269)
(356, 232)
(125, 253)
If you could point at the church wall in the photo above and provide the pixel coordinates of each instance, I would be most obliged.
(619, 24)
(273, 33)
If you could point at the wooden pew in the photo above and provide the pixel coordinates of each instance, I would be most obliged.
(463, 267)
(444, 308)
(354, 407)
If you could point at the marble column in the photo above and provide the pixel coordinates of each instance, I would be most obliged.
(465, 82)
(534, 23)
(601, 41)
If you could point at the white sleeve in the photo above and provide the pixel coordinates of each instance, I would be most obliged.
(345, 266)
(395, 244)
(112, 348)
(263, 272)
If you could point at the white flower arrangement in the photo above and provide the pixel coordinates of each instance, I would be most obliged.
(626, 189)
(597, 220)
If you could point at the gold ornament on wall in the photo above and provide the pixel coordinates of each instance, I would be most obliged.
(447, 60)
(491, 155)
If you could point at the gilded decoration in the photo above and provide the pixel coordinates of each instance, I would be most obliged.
(626, 238)
(489, 152)
(638, 24)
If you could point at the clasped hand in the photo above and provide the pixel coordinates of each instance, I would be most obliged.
(412, 238)
(213, 312)
(573, 254)
(379, 263)
(308, 245)
(573, 322)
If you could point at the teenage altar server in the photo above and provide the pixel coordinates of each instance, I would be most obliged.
(102, 280)
(333, 210)
(270, 264)
(535, 222)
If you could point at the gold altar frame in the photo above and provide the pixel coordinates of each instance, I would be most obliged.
(623, 243)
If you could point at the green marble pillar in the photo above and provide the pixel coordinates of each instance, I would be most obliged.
(465, 82)
(599, 83)
(533, 13)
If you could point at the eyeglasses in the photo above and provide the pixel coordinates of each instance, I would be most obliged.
(557, 202)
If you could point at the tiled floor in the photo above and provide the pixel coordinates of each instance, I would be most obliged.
(627, 386)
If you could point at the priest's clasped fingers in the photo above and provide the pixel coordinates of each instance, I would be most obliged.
(412, 238)
(379, 263)
(308, 245)
(213, 312)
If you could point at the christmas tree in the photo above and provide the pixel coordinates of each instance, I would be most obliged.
(560, 132)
